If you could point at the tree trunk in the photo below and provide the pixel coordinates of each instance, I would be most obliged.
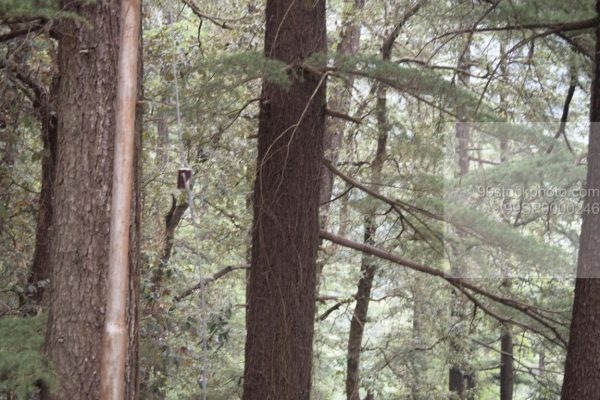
(40, 267)
(81, 203)
(461, 379)
(506, 365)
(367, 268)
(339, 101)
(285, 237)
(582, 370)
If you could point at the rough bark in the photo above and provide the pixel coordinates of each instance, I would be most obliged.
(582, 370)
(285, 237)
(81, 199)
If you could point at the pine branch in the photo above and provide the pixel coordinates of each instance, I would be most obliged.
(461, 284)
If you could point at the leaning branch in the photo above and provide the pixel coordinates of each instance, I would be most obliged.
(551, 28)
(337, 114)
(221, 23)
(202, 283)
(461, 284)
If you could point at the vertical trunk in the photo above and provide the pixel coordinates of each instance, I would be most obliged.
(461, 379)
(285, 237)
(339, 101)
(81, 203)
(506, 340)
(582, 370)
(420, 311)
(115, 336)
(40, 271)
(506, 365)
(367, 268)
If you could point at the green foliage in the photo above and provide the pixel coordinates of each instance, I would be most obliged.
(33, 9)
(23, 366)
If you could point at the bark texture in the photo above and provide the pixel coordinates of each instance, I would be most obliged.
(582, 370)
(285, 237)
(81, 198)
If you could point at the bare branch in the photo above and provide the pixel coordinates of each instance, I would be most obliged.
(217, 275)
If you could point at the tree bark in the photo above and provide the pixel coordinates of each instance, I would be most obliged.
(81, 201)
(285, 237)
(582, 370)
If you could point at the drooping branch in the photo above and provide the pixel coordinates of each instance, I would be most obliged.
(388, 43)
(551, 28)
(527, 309)
(562, 130)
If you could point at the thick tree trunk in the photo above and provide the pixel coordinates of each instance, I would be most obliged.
(582, 370)
(81, 203)
(285, 237)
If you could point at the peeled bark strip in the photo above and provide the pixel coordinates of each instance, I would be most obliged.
(582, 370)
(285, 237)
(81, 201)
(115, 335)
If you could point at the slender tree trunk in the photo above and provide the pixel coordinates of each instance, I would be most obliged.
(506, 340)
(367, 268)
(81, 203)
(461, 379)
(339, 101)
(582, 370)
(285, 237)
(506, 365)
(40, 271)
